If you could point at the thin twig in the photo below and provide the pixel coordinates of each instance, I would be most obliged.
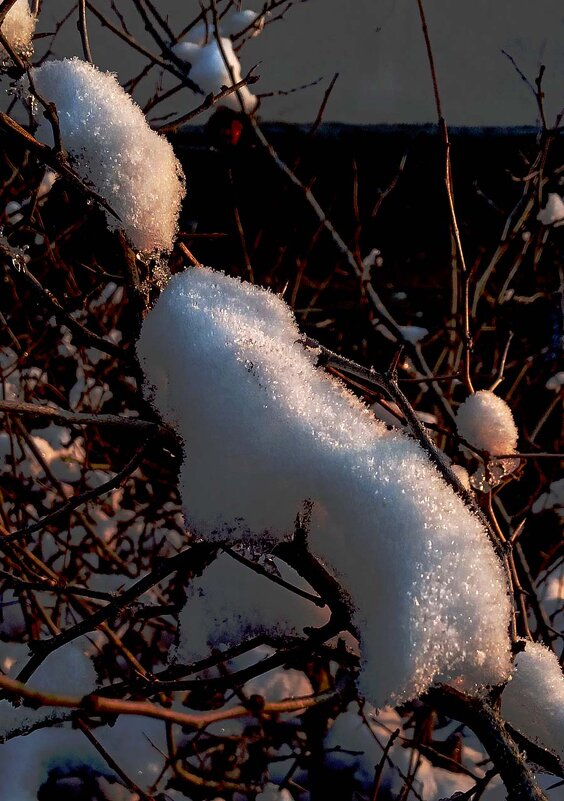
(81, 25)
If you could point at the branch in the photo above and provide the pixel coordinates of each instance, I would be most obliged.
(78, 418)
(80, 500)
(210, 100)
(489, 727)
(100, 705)
(81, 25)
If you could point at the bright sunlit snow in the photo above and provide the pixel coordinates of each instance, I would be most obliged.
(265, 431)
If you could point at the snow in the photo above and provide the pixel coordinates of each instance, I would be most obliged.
(210, 72)
(553, 499)
(67, 671)
(272, 792)
(533, 701)
(18, 28)
(231, 25)
(239, 21)
(553, 212)
(265, 431)
(486, 422)
(555, 382)
(63, 457)
(249, 604)
(413, 333)
(113, 149)
(355, 744)
(136, 744)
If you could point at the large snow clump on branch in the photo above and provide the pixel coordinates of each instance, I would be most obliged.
(18, 27)
(113, 149)
(265, 431)
(486, 422)
(533, 701)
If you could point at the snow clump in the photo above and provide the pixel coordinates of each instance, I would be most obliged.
(113, 149)
(18, 28)
(555, 382)
(533, 701)
(553, 212)
(211, 73)
(485, 421)
(265, 431)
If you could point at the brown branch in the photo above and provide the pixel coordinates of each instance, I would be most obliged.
(53, 158)
(77, 418)
(466, 336)
(81, 25)
(193, 559)
(14, 258)
(488, 726)
(100, 705)
(209, 101)
(80, 500)
(5, 7)
(181, 72)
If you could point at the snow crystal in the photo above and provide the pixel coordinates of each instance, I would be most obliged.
(553, 212)
(230, 603)
(486, 422)
(265, 430)
(533, 701)
(211, 73)
(18, 28)
(113, 149)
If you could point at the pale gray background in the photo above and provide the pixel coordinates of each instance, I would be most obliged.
(377, 47)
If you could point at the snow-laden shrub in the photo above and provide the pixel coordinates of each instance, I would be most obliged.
(210, 72)
(265, 430)
(18, 28)
(113, 149)
(486, 422)
(533, 701)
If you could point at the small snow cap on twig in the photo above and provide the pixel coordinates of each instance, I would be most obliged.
(485, 421)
